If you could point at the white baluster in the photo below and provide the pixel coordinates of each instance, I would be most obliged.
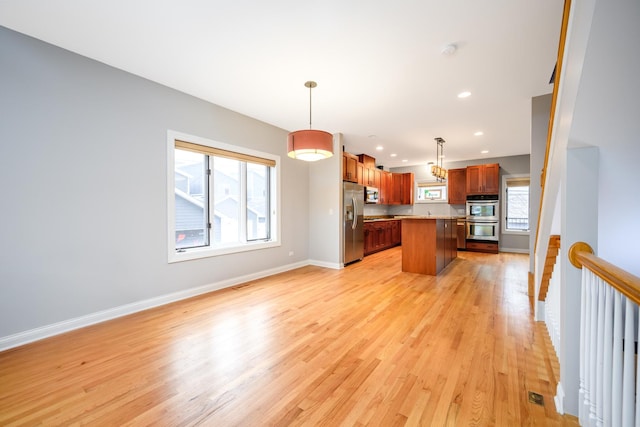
(599, 389)
(635, 351)
(593, 351)
(582, 413)
(608, 354)
(616, 371)
(628, 370)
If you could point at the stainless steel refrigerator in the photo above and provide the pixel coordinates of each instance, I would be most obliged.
(353, 221)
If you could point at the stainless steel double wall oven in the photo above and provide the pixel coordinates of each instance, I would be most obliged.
(483, 217)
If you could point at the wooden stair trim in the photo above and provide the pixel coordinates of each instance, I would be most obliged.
(549, 264)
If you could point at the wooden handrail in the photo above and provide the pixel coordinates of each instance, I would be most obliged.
(554, 98)
(581, 255)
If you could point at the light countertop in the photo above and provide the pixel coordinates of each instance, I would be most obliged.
(397, 217)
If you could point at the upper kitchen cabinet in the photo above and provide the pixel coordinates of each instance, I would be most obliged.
(372, 177)
(457, 189)
(406, 193)
(349, 167)
(396, 189)
(368, 161)
(386, 188)
(360, 169)
(483, 179)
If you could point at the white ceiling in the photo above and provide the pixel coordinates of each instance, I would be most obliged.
(382, 79)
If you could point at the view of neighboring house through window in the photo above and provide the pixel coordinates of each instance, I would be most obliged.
(516, 200)
(222, 198)
(191, 199)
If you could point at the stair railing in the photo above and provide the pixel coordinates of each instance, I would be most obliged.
(609, 385)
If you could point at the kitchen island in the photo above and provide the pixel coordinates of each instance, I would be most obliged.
(429, 243)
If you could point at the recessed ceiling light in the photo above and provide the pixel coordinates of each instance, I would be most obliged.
(394, 155)
(379, 148)
(404, 160)
(479, 133)
(484, 151)
(449, 49)
(464, 94)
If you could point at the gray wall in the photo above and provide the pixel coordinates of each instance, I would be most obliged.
(540, 111)
(83, 173)
(607, 115)
(325, 198)
(511, 165)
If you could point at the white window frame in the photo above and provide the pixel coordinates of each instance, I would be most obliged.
(503, 220)
(210, 251)
(428, 183)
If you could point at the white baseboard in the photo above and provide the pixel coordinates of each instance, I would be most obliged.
(559, 399)
(540, 312)
(514, 250)
(22, 338)
(332, 265)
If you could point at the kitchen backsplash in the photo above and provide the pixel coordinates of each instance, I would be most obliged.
(417, 209)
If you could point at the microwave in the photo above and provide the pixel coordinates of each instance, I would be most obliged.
(371, 195)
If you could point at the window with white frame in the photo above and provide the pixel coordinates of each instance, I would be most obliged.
(431, 191)
(221, 198)
(516, 204)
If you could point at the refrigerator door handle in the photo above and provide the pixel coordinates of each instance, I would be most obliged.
(355, 214)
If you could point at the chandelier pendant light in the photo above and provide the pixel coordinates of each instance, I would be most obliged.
(310, 145)
(437, 170)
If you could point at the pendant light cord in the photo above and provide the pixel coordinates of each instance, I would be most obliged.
(310, 87)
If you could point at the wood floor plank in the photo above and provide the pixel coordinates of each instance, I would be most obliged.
(367, 345)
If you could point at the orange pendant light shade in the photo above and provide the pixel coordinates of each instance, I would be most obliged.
(310, 145)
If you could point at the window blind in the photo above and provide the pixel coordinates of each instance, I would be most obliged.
(210, 151)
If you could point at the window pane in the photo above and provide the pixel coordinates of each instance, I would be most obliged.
(257, 201)
(226, 197)
(432, 192)
(190, 199)
(517, 208)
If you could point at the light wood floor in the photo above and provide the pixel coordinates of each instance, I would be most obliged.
(367, 345)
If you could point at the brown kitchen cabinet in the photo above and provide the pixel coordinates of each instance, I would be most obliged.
(380, 235)
(372, 177)
(406, 192)
(428, 245)
(457, 186)
(385, 187)
(349, 167)
(393, 188)
(488, 247)
(483, 179)
(368, 161)
(360, 173)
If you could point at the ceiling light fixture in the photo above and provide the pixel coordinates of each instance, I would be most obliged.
(464, 94)
(449, 49)
(479, 133)
(437, 170)
(379, 148)
(310, 145)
